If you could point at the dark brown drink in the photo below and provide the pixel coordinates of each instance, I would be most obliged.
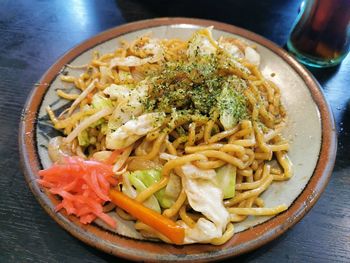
(321, 36)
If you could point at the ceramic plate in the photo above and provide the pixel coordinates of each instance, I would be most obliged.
(310, 130)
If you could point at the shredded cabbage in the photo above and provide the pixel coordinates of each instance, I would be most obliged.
(83, 138)
(171, 193)
(201, 44)
(252, 56)
(100, 102)
(232, 49)
(140, 186)
(106, 74)
(232, 103)
(166, 196)
(226, 180)
(129, 106)
(131, 61)
(206, 197)
(119, 92)
(131, 131)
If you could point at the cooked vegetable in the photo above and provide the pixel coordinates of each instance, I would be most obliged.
(99, 102)
(232, 103)
(151, 218)
(58, 149)
(83, 138)
(142, 164)
(252, 56)
(226, 180)
(152, 47)
(118, 92)
(148, 177)
(166, 196)
(113, 157)
(102, 156)
(141, 185)
(171, 192)
(204, 196)
(201, 44)
(134, 130)
(129, 104)
(87, 122)
(82, 96)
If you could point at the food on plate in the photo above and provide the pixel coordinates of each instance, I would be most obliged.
(180, 138)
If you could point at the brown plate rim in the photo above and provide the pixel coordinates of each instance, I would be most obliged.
(147, 251)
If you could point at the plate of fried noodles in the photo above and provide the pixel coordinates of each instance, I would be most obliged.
(177, 139)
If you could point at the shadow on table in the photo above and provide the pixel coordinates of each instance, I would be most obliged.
(221, 10)
(343, 129)
(323, 74)
(271, 18)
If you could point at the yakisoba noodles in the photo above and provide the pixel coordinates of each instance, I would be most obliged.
(193, 130)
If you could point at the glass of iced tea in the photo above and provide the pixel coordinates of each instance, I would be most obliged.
(321, 34)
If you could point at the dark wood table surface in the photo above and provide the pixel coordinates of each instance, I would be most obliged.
(33, 34)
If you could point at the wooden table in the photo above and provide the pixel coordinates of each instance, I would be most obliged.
(33, 34)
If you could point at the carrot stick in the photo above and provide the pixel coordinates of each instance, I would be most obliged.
(113, 158)
(89, 97)
(157, 221)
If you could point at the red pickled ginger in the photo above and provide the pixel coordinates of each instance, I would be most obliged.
(83, 186)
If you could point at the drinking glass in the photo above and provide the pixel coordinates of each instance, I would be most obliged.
(321, 34)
